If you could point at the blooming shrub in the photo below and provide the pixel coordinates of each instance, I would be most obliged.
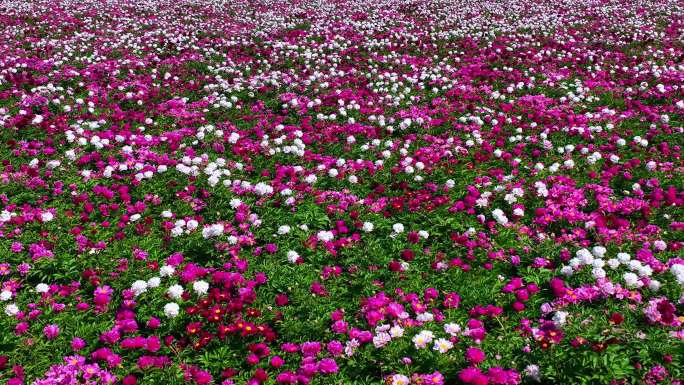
(341, 192)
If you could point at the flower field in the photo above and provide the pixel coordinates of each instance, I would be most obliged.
(341, 192)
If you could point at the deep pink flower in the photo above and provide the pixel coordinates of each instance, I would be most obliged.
(51, 331)
(327, 366)
(474, 355)
(77, 344)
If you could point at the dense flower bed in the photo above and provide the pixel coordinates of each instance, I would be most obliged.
(341, 192)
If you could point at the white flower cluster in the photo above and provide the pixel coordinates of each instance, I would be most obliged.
(422, 339)
(171, 310)
(500, 217)
(453, 329)
(46, 216)
(385, 334)
(560, 317)
(325, 236)
(595, 259)
(677, 270)
(182, 226)
(42, 288)
(292, 256)
(138, 287)
(200, 287)
(542, 191)
(211, 231)
(513, 196)
(5, 295)
(175, 291)
(263, 189)
(398, 228)
(11, 310)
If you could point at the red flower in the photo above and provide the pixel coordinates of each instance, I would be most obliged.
(281, 299)
(193, 328)
(407, 255)
(616, 318)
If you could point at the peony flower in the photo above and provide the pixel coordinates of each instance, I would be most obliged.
(327, 366)
(51, 331)
(452, 329)
(532, 372)
(200, 287)
(474, 355)
(171, 309)
(77, 344)
(138, 287)
(422, 339)
(661, 311)
(381, 339)
(175, 291)
(399, 379)
(443, 345)
(11, 310)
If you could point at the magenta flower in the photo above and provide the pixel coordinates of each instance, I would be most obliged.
(77, 344)
(474, 355)
(661, 311)
(51, 331)
(327, 366)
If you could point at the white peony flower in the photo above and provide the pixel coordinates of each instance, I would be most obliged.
(167, 271)
(500, 217)
(325, 236)
(175, 291)
(654, 285)
(292, 256)
(560, 317)
(533, 372)
(452, 329)
(171, 309)
(5, 295)
(585, 256)
(631, 279)
(138, 287)
(567, 271)
(200, 287)
(153, 282)
(623, 257)
(423, 338)
(598, 251)
(443, 345)
(11, 310)
(598, 273)
(400, 379)
(613, 263)
(396, 331)
(381, 339)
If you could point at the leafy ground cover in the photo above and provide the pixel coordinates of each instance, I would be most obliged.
(341, 192)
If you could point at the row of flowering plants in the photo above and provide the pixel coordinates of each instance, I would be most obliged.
(341, 192)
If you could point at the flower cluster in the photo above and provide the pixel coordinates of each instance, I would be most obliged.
(301, 192)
